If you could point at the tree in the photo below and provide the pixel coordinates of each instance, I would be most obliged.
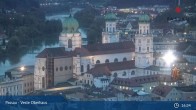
(13, 44)
(86, 16)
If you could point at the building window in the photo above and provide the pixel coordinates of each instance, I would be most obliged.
(107, 61)
(147, 49)
(139, 49)
(66, 67)
(133, 73)
(43, 68)
(82, 68)
(125, 59)
(56, 68)
(115, 75)
(124, 74)
(115, 60)
(43, 82)
(61, 68)
(88, 67)
(69, 43)
(69, 67)
(97, 62)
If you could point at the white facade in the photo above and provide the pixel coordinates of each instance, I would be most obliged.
(101, 82)
(110, 35)
(144, 28)
(90, 61)
(70, 41)
(13, 87)
(143, 51)
(19, 85)
(144, 46)
(39, 73)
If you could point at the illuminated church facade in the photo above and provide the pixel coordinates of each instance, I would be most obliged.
(97, 64)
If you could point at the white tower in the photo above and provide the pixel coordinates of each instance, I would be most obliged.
(70, 38)
(144, 44)
(110, 35)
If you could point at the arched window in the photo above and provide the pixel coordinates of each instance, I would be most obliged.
(139, 49)
(97, 62)
(82, 68)
(69, 43)
(43, 68)
(133, 73)
(107, 61)
(88, 67)
(124, 73)
(147, 49)
(115, 60)
(115, 75)
(61, 68)
(66, 67)
(124, 59)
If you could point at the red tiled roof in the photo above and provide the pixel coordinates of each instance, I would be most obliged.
(100, 71)
(94, 49)
(137, 81)
(162, 90)
(54, 52)
(109, 48)
(105, 69)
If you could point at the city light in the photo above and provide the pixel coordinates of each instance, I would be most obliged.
(22, 68)
(169, 58)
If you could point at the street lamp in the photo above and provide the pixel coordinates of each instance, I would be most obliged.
(169, 58)
(22, 68)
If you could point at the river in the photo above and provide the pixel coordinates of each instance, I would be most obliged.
(29, 59)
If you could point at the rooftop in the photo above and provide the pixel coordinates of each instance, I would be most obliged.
(54, 52)
(88, 50)
(162, 90)
(105, 69)
(108, 48)
(138, 81)
(187, 88)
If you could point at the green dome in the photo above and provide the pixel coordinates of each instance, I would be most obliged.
(110, 16)
(70, 25)
(144, 18)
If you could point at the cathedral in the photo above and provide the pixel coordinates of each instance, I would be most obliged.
(92, 64)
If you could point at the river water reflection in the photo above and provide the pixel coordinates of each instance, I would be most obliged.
(29, 59)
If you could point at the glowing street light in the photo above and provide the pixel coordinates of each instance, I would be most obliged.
(22, 68)
(169, 58)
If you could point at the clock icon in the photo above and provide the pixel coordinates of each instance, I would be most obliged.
(176, 105)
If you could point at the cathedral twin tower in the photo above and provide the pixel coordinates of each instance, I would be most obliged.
(70, 38)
